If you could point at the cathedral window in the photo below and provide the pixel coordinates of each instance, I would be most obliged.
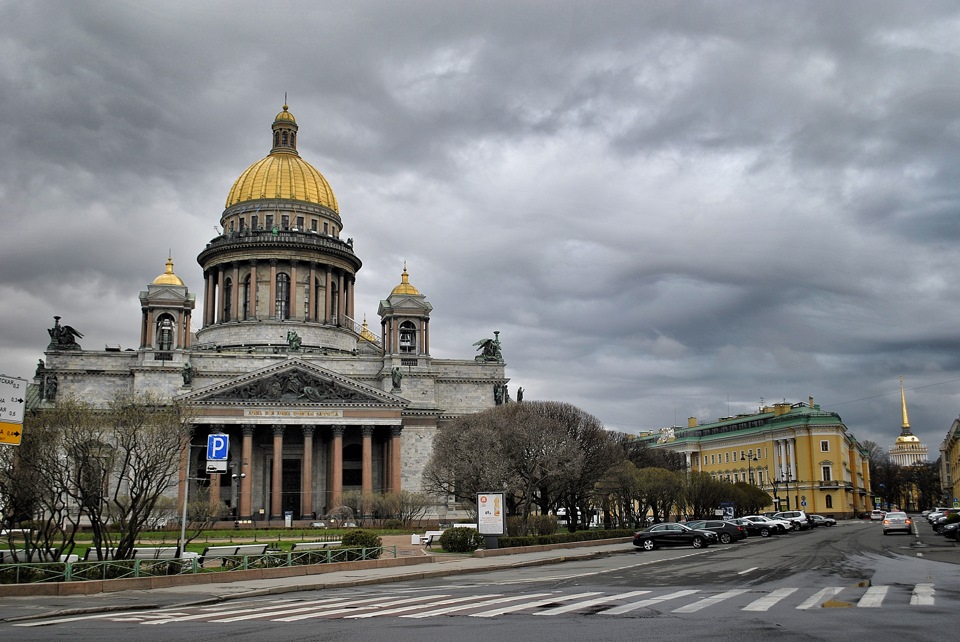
(269, 221)
(254, 221)
(313, 225)
(165, 333)
(227, 299)
(299, 222)
(282, 303)
(245, 297)
(285, 222)
(276, 139)
(284, 139)
(408, 337)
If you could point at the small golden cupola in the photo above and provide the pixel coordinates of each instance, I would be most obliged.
(168, 277)
(405, 286)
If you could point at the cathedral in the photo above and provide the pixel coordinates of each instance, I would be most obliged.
(313, 403)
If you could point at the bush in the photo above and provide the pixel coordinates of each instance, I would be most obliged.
(460, 540)
(392, 525)
(360, 538)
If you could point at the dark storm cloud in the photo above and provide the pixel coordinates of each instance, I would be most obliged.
(667, 209)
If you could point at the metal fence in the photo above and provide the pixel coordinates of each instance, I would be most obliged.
(35, 572)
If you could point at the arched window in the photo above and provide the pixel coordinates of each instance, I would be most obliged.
(284, 138)
(227, 299)
(276, 139)
(245, 297)
(282, 304)
(829, 501)
(165, 333)
(408, 337)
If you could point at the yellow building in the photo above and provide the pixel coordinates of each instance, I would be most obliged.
(802, 456)
(950, 465)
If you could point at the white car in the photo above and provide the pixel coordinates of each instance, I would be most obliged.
(780, 525)
(876, 515)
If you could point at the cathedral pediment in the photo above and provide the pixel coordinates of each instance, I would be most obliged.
(293, 384)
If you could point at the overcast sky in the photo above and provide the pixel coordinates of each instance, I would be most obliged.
(668, 209)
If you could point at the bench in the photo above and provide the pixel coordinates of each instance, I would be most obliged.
(430, 537)
(155, 553)
(218, 552)
(6, 556)
(310, 546)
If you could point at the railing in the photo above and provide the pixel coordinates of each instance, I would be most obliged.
(38, 572)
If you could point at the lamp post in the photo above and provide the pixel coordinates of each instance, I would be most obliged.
(236, 505)
(776, 497)
(750, 460)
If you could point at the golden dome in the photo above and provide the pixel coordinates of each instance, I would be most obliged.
(365, 333)
(168, 277)
(908, 439)
(286, 115)
(405, 287)
(283, 174)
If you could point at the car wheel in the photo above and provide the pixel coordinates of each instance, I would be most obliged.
(648, 545)
(764, 532)
(795, 526)
(725, 538)
(698, 542)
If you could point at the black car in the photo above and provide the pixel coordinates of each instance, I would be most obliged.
(726, 531)
(671, 534)
(755, 528)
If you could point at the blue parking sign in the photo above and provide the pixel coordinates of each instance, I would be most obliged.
(218, 447)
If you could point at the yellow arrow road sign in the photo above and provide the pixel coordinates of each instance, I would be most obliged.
(10, 433)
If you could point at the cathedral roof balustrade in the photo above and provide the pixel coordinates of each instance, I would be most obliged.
(249, 239)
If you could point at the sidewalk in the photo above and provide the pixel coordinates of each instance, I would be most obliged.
(415, 563)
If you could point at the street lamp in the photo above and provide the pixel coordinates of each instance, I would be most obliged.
(787, 485)
(236, 504)
(776, 497)
(751, 459)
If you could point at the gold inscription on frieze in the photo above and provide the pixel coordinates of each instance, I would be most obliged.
(290, 414)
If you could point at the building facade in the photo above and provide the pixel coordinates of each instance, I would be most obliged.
(802, 456)
(314, 403)
(949, 465)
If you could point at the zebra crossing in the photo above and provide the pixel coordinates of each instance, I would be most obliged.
(412, 605)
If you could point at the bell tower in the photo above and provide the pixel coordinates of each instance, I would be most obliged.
(405, 320)
(167, 305)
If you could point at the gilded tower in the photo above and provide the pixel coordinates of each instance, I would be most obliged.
(907, 449)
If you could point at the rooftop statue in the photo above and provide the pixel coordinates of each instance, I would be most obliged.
(294, 340)
(63, 337)
(489, 349)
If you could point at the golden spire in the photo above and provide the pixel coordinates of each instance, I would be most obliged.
(905, 426)
(168, 277)
(405, 286)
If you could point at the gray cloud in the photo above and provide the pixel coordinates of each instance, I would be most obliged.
(668, 210)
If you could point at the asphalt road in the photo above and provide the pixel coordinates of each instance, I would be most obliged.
(846, 582)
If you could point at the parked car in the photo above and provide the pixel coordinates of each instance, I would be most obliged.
(672, 534)
(951, 530)
(797, 518)
(726, 531)
(755, 528)
(876, 515)
(894, 522)
(823, 521)
(781, 525)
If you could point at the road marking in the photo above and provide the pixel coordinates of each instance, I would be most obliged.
(481, 603)
(819, 596)
(709, 601)
(531, 605)
(588, 603)
(404, 609)
(748, 570)
(350, 607)
(626, 608)
(873, 597)
(764, 603)
(922, 595)
(245, 611)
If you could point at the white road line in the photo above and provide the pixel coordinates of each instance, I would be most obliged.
(350, 607)
(819, 596)
(404, 609)
(78, 618)
(464, 607)
(531, 605)
(922, 595)
(626, 608)
(764, 603)
(566, 608)
(873, 597)
(748, 570)
(244, 611)
(709, 601)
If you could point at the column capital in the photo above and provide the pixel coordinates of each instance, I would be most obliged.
(248, 431)
(278, 430)
(308, 431)
(337, 430)
(367, 430)
(395, 431)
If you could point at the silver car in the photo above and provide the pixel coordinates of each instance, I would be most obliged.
(893, 522)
